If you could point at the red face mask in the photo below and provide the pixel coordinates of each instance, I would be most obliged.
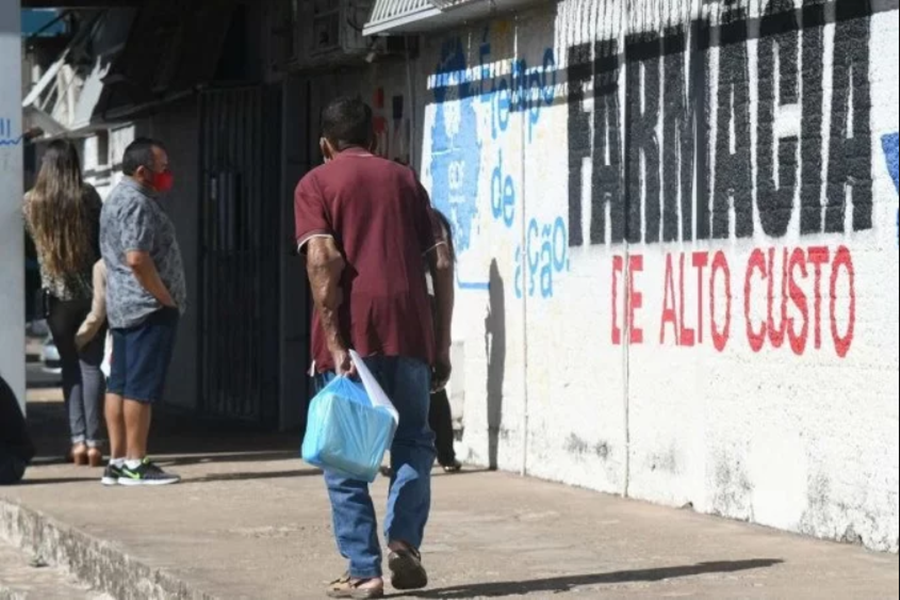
(162, 182)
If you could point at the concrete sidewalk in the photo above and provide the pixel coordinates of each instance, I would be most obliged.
(252, 521)
(22, 578)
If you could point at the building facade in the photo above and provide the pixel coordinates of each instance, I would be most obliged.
(12, 255)
(676, 223)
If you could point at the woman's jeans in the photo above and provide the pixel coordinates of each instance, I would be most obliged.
(407, 383)
(83, 384)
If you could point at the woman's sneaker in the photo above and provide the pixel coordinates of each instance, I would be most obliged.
(111, 475)
(147, 473)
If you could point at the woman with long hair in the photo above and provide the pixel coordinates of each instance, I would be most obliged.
(62, 215)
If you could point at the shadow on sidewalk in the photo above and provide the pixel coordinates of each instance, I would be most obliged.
(176, 439)
(438, 471)
(465, 471)
(43, 385)
(179, 440)
(55, 481)
(254, 476)
(558, 585)
(229, 457)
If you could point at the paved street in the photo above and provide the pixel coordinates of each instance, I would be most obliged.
(43, 383)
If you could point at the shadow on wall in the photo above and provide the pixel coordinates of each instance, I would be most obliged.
(559, 585)
(495, 349)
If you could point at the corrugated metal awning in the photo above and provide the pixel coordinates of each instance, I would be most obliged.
(394, 15)
(419, 16)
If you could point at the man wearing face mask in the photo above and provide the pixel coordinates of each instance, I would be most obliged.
(146, 295)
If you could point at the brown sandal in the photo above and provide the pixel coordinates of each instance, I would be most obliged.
(79, 455)
(407, 572)
(94, 457)
(346, 587)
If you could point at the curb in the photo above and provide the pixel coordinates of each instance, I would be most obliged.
(99, 564)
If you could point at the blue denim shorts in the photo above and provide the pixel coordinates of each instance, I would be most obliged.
(141, 356)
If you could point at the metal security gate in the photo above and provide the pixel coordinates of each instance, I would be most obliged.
(240, 164)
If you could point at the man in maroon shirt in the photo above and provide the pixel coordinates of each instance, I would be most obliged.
(365, 224)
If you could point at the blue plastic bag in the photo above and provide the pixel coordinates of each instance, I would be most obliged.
(345, 433)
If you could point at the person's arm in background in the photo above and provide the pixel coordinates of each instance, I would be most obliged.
(97, 316)
(435, 239)
(442, 276)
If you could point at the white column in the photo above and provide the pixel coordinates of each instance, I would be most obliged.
(12, 252)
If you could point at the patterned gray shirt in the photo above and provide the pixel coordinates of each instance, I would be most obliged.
(133, 220)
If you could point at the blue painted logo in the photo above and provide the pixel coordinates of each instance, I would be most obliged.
(498, 91)
(455, 148)
(6, 134)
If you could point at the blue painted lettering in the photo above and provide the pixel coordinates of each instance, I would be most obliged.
(545, 256)
(891, 146)
(504, 87)
(503, 194)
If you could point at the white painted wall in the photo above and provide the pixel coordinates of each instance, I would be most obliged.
(12, 257)
(802, 438)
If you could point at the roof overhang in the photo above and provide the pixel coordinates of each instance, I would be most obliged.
(421, 16)
(80, 3)
(37, 108)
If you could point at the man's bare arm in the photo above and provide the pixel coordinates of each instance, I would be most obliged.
(440, 262)
(145, 271)
(324, 265)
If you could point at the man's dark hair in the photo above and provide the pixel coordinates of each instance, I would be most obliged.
(139, 153)
(347, 122)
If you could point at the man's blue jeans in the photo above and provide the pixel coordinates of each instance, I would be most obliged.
(407, 383)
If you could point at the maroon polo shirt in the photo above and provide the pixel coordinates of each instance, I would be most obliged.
(380, 217)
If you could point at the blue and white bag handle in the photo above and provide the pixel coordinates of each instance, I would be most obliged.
(376, 395)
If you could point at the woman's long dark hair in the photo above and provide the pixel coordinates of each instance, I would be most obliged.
(58, 213)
